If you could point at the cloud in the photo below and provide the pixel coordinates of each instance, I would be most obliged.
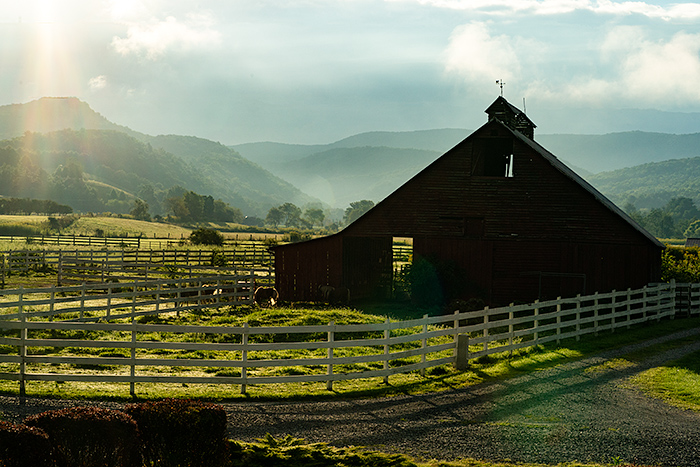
(642, 72)
(155, 39)
(682, 11)
(657, 71)
(477, 56)
(98, 82)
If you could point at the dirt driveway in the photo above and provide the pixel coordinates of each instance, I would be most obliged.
(572, 412)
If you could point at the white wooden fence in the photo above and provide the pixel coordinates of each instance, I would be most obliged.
(386, 348)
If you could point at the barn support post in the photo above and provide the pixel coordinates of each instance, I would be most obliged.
(331, 338)
(462, 352)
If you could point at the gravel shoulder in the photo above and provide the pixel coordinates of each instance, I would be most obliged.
(573, 412)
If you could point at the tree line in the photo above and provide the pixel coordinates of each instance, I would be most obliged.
(678, 218)
(290, 215)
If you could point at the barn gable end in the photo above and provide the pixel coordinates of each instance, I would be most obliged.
(518, 222)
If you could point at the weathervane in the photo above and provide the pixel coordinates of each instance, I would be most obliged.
(500, 83)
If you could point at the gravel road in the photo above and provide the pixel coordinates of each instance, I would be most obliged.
(575, 411)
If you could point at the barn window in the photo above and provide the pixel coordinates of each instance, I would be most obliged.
(493, 157)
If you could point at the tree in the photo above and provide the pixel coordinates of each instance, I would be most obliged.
(274, 217)
(357, 209)
(206, 237)
(314, 216)
(177, 206)
(291, 214)
(140, 210)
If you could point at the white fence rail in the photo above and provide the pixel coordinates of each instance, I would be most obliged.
(385, 348)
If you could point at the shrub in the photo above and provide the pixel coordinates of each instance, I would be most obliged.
(182, 432)
(22, 445)
(91, 436)
(204, 236)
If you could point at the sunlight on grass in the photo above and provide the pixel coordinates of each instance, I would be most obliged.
(677, 383)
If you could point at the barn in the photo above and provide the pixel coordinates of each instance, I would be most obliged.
(517, 223)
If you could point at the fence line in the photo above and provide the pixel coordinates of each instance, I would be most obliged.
(244, 256)
(385, 348)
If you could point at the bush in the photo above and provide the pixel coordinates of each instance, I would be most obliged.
(204, 236)
(91, 436)
(22, 445)
(681, 264)
(182, 432)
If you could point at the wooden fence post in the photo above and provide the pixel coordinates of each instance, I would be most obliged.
(387, 335)
(331, 338)
(486, 330)
(462, 352)
(558, 319)
(22, 345)
(629, 307)
(511, 329)
(595, 314)
(424, 345)
(244, 357)
(132, 369)
(60, 268)
(536, 323)
(578, 317)
(673, 298)
(613, 310)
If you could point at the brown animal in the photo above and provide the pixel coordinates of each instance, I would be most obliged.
(266, 296)
(334, 295)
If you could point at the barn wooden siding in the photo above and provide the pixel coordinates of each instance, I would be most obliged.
(537, 231)
(363, 265)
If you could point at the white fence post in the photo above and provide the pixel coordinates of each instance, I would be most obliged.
(424, 345)
(578, 317)
(511, 330)
(132, 369)
(244, 357)
(22, 345)
(595, 314)
(387, 335)
(558, 319)
(329, 354)
(536, 323)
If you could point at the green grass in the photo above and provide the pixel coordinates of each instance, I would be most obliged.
(435, 379)
(677, 383)
(291, 452)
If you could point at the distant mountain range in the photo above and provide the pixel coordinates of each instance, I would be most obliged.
(119, 158)
(644, 168)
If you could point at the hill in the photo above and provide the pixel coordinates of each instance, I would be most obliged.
(120, 161)
(343, 175)
(651, 185)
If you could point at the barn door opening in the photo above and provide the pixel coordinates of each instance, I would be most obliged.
(402, 248)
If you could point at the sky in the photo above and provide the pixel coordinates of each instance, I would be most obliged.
(315, 71)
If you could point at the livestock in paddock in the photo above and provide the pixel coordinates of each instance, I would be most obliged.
(334, 295)
(266, 296)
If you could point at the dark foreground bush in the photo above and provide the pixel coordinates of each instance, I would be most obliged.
(182, 433)
(91, 436)
(24, 446)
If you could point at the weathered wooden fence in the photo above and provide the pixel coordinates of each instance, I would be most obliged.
(245, 256)
(388, 348)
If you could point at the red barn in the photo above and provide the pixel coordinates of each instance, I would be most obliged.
(518, 222)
